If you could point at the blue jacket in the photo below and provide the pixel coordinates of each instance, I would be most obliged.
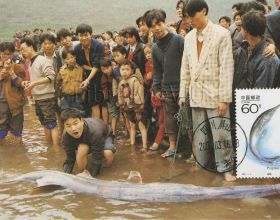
(256, 71)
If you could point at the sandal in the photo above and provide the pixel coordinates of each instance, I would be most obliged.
(168, 153)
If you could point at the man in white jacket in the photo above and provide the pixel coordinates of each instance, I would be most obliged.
(206, 78)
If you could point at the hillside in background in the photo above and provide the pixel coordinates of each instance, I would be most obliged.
(101, 14)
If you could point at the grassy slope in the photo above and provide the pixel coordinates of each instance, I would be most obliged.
(101, 14)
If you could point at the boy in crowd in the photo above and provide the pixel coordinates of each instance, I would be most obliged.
(68, 83)
(108, 81)
(64, 37)
(86, 136)
(119, 55)
(131, 101)
(11, 94)
(109, 39)
(225, 22)
(88, 53)
(41, 85)
(167, 57)
(48, 44)
(209, 87)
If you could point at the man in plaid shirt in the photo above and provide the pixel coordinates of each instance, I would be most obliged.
(206, 78)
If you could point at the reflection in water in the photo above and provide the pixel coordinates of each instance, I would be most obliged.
(21, 201)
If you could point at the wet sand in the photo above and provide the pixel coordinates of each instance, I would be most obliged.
(19, 201)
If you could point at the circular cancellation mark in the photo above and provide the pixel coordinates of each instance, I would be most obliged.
(215, 149)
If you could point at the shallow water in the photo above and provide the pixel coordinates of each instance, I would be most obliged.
(20, 201)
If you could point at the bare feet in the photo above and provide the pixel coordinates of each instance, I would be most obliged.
(229, 177)
(143, 150)
(154, 147)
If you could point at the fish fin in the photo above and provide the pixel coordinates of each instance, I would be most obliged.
(134, 177)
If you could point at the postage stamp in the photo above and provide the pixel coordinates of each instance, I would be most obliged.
(258, 113)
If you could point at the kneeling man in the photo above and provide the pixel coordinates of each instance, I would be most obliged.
(86, 136)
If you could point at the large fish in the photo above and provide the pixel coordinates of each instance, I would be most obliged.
(147, 192)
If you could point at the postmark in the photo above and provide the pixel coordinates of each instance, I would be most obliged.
(216, 144)
(258, 112)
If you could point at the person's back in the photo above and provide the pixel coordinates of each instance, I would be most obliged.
(252, 68)
(257, 71)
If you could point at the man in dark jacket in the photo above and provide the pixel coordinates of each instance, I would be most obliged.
(88, 53)
(167, 55)
(84, 136)
(252, 69)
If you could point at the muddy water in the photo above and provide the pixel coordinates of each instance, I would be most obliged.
(20, 201)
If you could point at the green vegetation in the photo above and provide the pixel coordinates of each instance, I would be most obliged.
(101, 14)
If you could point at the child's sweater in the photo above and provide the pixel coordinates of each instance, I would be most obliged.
(131, 94)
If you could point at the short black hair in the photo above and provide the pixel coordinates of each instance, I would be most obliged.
(105, 62)
(30, 43)
(128, 63)
(121, 49)
(49, 37)
(109, 33)
(238, 13)
(63, 32)
(180, 2)
(158, 15)
(70, 113)
(248, 6)
(195, 6)
(83, 28)
(65, 52)
(132, 31)
(225, 18)
(7, 46)
(237, 6)
(254, 23)
(36, 29)
(98, 36)
(264, 2)
(138, 20)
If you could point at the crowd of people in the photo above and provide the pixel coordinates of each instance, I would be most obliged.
(83, 84)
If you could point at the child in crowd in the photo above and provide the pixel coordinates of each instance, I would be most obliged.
(109, 83)
(107, 51)
(120, 54)
(148, 80)
(225, 22)
(131, 101)
(68, 83)
(11, 94)
(151, 100)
